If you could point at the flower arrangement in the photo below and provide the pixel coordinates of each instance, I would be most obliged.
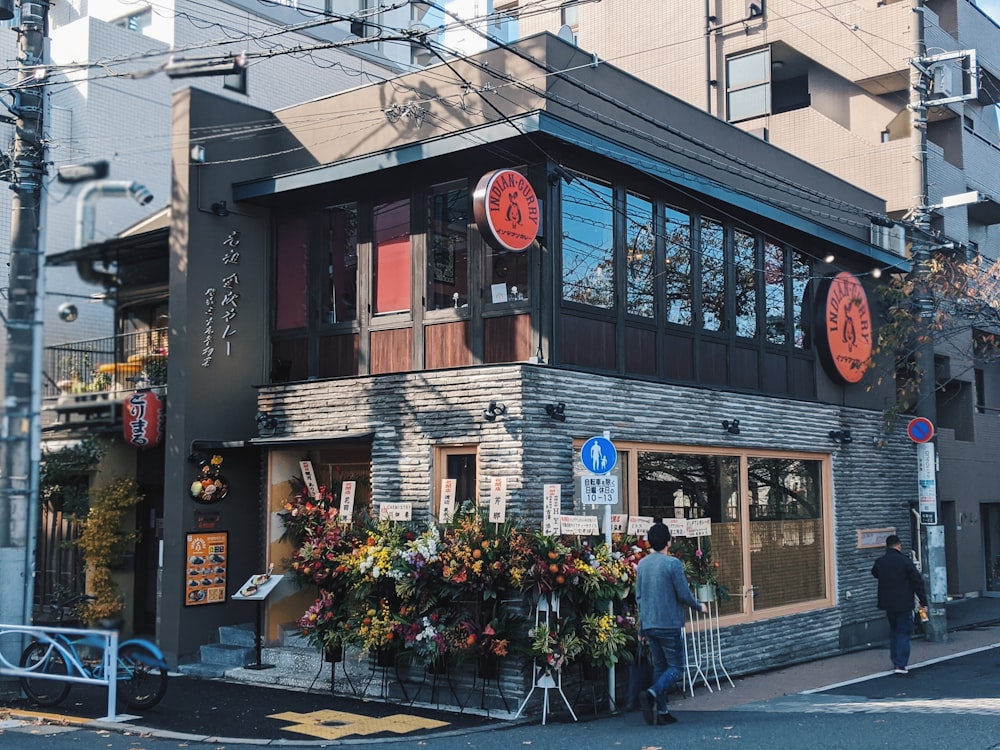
(304, 515)
(555, 645)
(604, 573)
(327, 623)
(607, 638)
(429, 638)
(374, 628)
(699, 567)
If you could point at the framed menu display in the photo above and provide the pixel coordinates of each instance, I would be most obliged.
(206, 568)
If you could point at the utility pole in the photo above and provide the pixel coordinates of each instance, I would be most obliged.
(21, 425)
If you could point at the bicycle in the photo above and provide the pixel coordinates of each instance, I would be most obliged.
(142, 670)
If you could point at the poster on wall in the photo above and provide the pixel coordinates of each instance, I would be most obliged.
(205, 573)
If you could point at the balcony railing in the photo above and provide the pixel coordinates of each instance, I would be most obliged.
(115, 363)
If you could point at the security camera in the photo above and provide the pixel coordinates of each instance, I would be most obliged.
(68, 312)
(140, 193)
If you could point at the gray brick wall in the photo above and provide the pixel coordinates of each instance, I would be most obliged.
(411, 413)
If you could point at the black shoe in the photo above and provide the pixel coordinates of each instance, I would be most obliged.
(666, 718)
(648, 700)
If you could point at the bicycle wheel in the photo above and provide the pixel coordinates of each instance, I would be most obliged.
(141, 684)
(44, 658)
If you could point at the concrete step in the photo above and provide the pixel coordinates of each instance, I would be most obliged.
(199, 669)
(237, 635)
(291, 636)
(226, 655)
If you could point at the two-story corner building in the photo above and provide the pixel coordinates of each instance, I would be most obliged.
(468, 271)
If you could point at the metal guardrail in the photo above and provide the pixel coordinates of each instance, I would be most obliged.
(106, 640)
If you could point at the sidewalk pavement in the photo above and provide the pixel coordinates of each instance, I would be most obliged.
(971, 624)
(223, 711)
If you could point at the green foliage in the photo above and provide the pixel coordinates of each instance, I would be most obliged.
(64, 475)
(104, 542)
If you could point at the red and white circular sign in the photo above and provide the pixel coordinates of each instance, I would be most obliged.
(506, 210)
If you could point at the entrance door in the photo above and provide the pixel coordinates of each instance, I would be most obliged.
(990, 513)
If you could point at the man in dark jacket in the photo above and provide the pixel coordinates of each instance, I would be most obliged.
(898, 582)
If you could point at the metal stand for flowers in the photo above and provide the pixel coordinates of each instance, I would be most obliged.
(706, 645)
(488, 669)
(546, 611)
(438, 669)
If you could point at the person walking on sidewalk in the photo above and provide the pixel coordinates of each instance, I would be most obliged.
(898, 582)
(662, 592)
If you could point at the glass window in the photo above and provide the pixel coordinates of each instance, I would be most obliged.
(588, 243)
(768, 512)
(340, 292)
(774, 292)
(291, 272)
(786, 531)
(639, 252)
(748, 85)
(682, 485)
(448, 248)
(457, 462)
(391, 256)
(801, 272)
(713, 275)
(677, 266)
(745, 265)
(508, 275)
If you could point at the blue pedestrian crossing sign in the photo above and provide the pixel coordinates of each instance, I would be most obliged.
(598, 455)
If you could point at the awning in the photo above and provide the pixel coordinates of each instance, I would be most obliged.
(328, 437)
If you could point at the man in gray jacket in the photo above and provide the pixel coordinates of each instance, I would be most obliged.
(662, 593)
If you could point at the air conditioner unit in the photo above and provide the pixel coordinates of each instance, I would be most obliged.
(891, 238)
(942, 81)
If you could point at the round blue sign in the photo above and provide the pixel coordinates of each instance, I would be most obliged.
(599, 455)
(920, 430)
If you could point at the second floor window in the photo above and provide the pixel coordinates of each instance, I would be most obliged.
(391, 258)
(748, 85)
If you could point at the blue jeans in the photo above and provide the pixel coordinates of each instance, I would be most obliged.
(900, 633)
(666, 649)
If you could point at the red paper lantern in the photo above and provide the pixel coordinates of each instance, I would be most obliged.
(142, 419)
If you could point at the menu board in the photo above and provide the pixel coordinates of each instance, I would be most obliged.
(205, 568)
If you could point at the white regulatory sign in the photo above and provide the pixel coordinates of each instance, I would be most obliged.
(599, 490)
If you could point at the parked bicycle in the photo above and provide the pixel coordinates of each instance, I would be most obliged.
(142, 671)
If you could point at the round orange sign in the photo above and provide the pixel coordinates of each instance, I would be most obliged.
(846, 331)
(506, 210)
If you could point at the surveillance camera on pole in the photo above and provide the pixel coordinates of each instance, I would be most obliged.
(74, 173)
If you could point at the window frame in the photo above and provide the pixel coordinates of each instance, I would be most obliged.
(743, 87)
(628, 470)
(442, 453)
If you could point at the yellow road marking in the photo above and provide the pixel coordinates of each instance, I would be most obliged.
(49, 717)
(331, 725)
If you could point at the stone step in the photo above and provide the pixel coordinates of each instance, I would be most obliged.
(226, 654)
(237, 635)
(200, 669)
(291, 636)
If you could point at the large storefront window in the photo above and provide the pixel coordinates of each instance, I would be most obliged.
(448, 248)
(769, 514)
(588, 249)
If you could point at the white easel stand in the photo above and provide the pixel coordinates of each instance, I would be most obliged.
(706, 647)
(541, 674)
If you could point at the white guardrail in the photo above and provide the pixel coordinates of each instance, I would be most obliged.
(68, 647)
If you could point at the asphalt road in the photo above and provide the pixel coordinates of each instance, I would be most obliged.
(953, 703)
